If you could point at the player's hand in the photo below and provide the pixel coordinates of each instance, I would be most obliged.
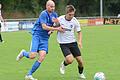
(60, 29)
(56, 22)
(80, 45)
(50, 32)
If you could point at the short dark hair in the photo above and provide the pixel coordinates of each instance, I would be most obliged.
(70, 8)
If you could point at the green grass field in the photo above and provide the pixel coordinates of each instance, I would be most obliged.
(101, 52)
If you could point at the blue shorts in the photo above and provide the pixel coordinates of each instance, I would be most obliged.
(39, 43)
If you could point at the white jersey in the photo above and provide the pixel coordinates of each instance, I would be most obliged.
(70, 27)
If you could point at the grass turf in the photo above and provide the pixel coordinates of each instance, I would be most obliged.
(100, 52)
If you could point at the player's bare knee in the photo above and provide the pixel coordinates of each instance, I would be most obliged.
(69, 60)
(32, 55)
(41, 56)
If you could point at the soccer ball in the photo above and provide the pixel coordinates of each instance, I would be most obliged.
(99, 76)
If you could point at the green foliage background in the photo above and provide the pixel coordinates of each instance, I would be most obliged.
(32, 8)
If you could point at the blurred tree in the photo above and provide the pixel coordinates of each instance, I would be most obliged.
(111, 7)
(32, 8)
(60, 6)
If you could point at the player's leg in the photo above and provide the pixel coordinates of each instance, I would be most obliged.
(37, 63)
(68, 60)
(43, 49)
(77, 54)
(22, 54)
(68, 57)
(80, 66)
(33, 50)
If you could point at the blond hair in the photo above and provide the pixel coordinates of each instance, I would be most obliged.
(70, 8)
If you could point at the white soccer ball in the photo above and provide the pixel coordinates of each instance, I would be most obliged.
(99, 76)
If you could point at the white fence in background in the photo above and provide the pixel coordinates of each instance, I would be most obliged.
(27, 24)
(18, 24)
(10, 26)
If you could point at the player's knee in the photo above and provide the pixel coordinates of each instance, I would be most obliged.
(41, 57)
(69, 60)
(32, 55)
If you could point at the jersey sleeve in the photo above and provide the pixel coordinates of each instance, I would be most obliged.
(43, 18)
(56, 15)
(77, 25)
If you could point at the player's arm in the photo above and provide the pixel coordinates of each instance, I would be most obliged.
(78, 29)
(80, 39)
(43, 20)
(45, 27)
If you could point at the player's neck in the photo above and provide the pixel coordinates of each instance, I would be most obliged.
(49, 12)
(67, 18)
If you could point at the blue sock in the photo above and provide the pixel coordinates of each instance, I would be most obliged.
(34, 67)
(26, 54)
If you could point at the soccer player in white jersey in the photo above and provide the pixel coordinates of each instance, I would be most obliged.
(67, 41)
(1, 19)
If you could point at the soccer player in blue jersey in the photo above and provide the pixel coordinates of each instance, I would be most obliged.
(40, 36)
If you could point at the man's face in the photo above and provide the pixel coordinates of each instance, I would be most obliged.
(51, 7)
(70, 15)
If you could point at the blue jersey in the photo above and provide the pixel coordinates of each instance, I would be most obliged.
(45, 18)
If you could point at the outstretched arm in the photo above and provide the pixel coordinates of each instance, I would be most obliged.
(45, 27)
(80, 39)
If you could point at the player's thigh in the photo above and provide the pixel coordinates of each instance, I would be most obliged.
(43, 46)
(65, 49)
(34, 43)
(69, 58)
(42, 55)
(75, 50)
(67, 53)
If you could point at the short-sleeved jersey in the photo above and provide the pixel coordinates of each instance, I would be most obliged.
(45, 18)
(70, 27)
